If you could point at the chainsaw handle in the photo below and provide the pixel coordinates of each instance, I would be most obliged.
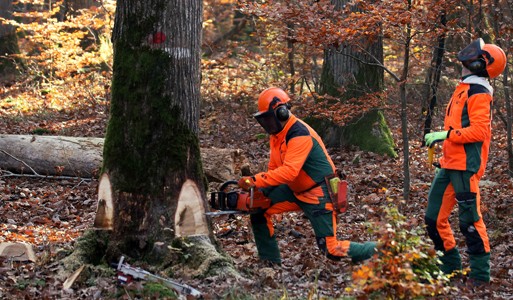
(251, 194)
(227, 183)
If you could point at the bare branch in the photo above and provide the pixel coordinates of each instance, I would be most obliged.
(376, 64)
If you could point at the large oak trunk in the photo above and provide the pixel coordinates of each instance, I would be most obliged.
(151, 149)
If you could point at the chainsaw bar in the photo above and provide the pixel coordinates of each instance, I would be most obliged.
(226, 212)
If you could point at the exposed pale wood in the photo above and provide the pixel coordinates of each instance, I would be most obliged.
(105, 210)
(190, 214)
(70, 280)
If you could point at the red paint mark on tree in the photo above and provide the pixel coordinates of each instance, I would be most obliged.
(157, 38)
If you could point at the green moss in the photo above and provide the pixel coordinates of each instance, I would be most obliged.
(155, 290)
(150, 290)
(369, 132)
(146, 137)
(41, 131)
(91, 246)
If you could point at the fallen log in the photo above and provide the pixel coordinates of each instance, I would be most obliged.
(82, 157)
(51, 155)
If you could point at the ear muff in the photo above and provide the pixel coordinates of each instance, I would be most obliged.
(476, 65)
(282, 113)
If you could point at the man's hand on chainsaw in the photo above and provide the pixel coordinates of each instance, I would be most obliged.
(246, 183)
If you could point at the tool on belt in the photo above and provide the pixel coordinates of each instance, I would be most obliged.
(127, 273)
(337, 188)
(237, 201)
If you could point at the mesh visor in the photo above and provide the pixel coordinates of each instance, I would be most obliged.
(472, 51)
(268, 121)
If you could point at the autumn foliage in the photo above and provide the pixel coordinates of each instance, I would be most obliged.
(406, 267)
(65, 79)
(64, 60)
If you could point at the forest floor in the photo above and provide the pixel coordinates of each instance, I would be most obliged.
(52, 214)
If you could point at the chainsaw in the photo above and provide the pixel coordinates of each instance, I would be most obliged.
(237, 201)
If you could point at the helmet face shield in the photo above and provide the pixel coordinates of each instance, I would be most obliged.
(473, 51)
(269, 121)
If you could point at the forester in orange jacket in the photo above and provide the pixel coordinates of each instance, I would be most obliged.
(466, 139)
(295, 180)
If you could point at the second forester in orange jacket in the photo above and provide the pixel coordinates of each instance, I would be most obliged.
(466, 140)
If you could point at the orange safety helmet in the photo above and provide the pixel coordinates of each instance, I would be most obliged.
(486, 60)
(268, 95)
(495, 60)
(273, 108)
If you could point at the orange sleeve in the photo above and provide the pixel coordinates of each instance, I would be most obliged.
(271, 165)
(298, 149)
(479, 107)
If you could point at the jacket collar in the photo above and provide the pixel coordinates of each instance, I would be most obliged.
(473, 79)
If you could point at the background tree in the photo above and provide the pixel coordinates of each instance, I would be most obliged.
(72, 7)
(8, 43)
(432, 80)
(503, 33)
(350, 71)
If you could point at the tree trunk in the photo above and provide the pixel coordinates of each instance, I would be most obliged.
(432, 80)
(345, 77)
(71, 7)
(505, 44)
(8, 43)
(404, 111)
(151, 152)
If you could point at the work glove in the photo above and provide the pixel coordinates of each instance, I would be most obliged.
(246, 183)
(437, 170)
(434, 137)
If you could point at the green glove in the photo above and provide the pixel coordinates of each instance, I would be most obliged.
(437, 170)
(434, 137)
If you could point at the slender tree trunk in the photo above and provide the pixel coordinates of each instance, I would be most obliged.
(404, 114)
(432, 80)
(509, 120)
(505, 44)
(151, 146)
(290, 57)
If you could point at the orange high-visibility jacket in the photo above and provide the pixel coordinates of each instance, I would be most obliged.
(298, 159)
(468, 117)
